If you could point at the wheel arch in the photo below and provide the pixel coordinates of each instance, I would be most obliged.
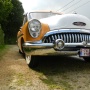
(21, 44)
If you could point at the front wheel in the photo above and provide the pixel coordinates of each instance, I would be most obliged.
(87, 59)
(31, 61)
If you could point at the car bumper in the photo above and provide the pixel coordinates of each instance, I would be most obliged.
(39, 48)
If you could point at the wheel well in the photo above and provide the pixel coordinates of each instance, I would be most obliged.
(22, 41)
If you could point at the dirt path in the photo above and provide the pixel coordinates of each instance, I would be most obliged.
(16, 75)
(53, 73)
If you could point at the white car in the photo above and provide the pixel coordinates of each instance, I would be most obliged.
(48, 33)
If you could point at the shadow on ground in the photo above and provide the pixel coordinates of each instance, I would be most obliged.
(64, 73)
(60, 64)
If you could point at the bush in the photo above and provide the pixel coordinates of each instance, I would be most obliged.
(1, 36)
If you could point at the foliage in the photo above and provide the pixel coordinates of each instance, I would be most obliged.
(5, 8)
(1, 36)
(3, 49)
(14, 21)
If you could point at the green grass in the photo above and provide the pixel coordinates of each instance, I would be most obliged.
(55, 84)
(20, 80)
(3, 49)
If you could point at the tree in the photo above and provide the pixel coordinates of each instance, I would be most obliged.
(1, 36)
(5, 8)
(14, 21)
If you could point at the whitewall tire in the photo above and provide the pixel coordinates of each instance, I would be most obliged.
(28, 59)
(31, 61)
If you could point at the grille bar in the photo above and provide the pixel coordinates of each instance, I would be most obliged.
(68, 37)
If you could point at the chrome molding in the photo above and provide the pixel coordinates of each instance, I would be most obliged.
(67, 35)
(67, 30)
(34, 42)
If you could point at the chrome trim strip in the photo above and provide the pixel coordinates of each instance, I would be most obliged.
(55, 37)
(67, 30)
(40, 45)
(78, 37)
(58, 36)
(88, 37)
(67, 38)
(52, 37)
(64, 38)
(85, 37)
(73, 37)
(40, 41)
(81, 37)
(70, 37)
(61, 37)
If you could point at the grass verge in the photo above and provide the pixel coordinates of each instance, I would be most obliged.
(3, 49)
(56, 85)
(64, 73)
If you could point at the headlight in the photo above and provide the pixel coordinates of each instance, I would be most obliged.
(34, 28)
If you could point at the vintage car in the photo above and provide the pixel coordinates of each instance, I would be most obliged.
(53, 33)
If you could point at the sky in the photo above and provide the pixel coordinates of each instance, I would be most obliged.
(64, 6)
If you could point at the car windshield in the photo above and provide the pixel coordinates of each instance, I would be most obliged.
(40, 15)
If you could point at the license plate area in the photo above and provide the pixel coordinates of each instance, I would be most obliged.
(84, 52)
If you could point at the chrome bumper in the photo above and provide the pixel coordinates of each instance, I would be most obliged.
(39, 48)
(52, 45)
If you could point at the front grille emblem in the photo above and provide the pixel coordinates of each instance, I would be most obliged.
(79, 23)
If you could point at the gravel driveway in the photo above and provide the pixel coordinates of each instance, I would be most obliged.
(16, 75)
(54, 73)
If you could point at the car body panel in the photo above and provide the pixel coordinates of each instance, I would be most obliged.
(66, 21)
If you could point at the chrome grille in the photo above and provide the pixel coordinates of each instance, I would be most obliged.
(68, 37)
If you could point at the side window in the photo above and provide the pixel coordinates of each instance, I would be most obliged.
(25, 19)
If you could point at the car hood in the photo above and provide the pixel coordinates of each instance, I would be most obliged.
(66, 21)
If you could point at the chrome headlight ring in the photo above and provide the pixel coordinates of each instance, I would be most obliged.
(34, 27)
